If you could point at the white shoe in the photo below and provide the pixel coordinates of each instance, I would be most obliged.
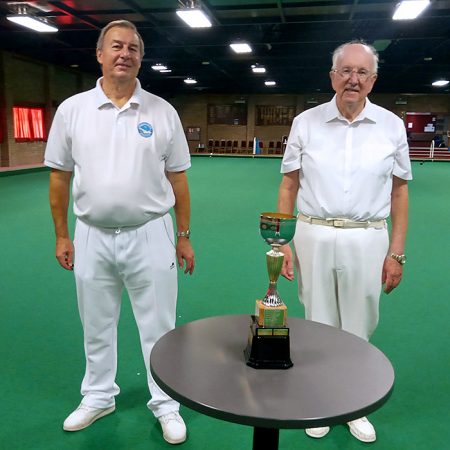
(317, 432)
(362, 429)
(173, 427)
(84, 416)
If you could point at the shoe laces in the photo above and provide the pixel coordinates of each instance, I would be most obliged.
(171, 416)
(86, 408)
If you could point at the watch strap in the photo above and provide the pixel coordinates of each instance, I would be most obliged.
(185, 234)
(401, 259)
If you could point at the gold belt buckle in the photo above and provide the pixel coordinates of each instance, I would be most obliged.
(338, 223)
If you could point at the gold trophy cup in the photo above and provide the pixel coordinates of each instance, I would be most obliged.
(268, 344)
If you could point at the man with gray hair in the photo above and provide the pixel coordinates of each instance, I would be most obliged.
(346, 168)
(128, 154)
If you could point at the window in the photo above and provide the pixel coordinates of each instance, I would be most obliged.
(28, 123)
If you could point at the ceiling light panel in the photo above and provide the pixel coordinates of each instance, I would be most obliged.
(440, 83)
(241, 47)
(410, 9)
(159, 67)
(32, 23)
(194, 17)
(25, 16)
(258, 69)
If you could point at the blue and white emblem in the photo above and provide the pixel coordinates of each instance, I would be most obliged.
(145, 129)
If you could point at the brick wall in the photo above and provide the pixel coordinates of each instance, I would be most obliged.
(193, 112)
(26, 82)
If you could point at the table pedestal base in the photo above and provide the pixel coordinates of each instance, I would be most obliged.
(265, 438)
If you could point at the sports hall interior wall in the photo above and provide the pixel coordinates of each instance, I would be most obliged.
(28, 82)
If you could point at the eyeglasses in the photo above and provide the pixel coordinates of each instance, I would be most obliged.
(346, 72)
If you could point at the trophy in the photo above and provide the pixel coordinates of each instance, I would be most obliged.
(268, 343)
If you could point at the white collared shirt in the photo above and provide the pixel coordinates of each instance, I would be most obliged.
(118, 156)
(346, 168)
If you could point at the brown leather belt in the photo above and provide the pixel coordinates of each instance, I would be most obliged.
(342, 223)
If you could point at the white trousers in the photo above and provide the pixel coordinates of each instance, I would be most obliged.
(340, 275)
(142, 260)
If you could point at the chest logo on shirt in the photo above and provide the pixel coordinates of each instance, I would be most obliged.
(145, 129)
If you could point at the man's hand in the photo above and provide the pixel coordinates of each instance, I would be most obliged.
(287, 269)
(185, 253)
(392, 274)
(64, 253)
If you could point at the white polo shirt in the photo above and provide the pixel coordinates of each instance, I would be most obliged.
(346, 168)
(119, 156)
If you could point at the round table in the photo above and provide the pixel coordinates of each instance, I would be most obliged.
(336, 377)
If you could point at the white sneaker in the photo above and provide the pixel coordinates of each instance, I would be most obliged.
(84, 416)
(173, 427)
(362, 429)
(317, 432)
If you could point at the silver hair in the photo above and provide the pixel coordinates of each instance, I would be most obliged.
(339, 50)
(122, 24)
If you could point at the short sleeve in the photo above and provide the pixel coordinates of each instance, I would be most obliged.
(178, 157)
(402, 162)
(292, 155)
(58, 152)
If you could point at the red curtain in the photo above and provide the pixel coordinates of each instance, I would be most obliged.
(28, 124)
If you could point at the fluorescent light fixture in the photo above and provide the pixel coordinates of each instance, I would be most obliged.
(241, 47)
(33, 23)
(165, 71)
(410, 9)
(190, 81)
(258, 69)
(440, 83)
(159, 67)
(270, 83)
(194, 17)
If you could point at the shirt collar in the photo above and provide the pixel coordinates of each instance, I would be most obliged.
(367, 114)
(102, 99)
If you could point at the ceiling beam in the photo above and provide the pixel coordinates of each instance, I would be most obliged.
(73, 13)
(280, 9)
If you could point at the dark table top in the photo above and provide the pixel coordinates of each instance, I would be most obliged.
(336, 376)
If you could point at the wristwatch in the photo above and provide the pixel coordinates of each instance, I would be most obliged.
(185, 234)
(399, 258)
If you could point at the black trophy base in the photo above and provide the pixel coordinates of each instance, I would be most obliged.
(268, 348)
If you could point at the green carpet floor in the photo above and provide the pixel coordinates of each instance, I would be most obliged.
(42, 359)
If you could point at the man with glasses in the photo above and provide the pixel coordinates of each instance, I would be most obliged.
(346, 168)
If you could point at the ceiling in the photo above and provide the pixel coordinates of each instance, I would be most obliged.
(292, 39)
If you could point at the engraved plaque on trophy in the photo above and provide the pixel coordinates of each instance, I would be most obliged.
(268, 343)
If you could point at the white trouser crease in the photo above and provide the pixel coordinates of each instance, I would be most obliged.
(340, 275)
(141, 260)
